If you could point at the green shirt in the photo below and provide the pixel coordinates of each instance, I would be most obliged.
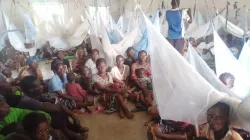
(17, 115)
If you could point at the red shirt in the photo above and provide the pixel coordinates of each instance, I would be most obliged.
(75, 90)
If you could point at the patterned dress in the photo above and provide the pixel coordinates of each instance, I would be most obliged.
(108, 98)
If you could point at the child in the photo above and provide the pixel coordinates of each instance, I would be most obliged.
(37, 127)
(143, 90)
(86, 81)
(75, 90)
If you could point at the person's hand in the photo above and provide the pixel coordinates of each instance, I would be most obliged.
(66, 68)
(157, 132)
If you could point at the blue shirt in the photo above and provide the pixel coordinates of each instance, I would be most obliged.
(174, 18)
(56, 84)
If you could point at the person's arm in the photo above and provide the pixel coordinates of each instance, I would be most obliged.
(65, 96)
(172, 136)
(39, 74)
(69, 113)
(52, 65)
(68, 65)
(105, 88)
(189, 12)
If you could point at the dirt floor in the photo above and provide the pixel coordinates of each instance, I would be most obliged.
(111, 127)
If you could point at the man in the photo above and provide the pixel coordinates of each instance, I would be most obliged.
(33, 70)
(91, 63)
(175, 18)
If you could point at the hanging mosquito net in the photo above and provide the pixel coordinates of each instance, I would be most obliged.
(112, 50)
(181, 93)
(203, 69)
(226, 62)
(244, 58)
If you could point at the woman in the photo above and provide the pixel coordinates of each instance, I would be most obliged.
(33, 70)
(57, 87)
(79, 61)
(120, 72)
(130, 54)
(218, 124)
(60, 59)
(141, 63)
(104, 83)
(91, 63)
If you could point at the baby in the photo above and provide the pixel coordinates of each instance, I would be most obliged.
(143, 90)
(86, 81)
(75, 90)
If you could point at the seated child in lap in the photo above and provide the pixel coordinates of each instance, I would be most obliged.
(75, 90)
(143, 90)
(86, 81)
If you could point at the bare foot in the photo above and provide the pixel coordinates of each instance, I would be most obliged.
(121, 114)
(130, 115)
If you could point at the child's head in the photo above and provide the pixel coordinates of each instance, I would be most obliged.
(140, 73)
(7, 73)
(36, 125)
(227, 79)
(85, 71)
(71, 77)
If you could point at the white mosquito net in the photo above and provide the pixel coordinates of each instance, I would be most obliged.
(112, 50)
(30, 29)
(181, 93)
(226, 62)
(219, 22)
(123, 23)
(204, 70)
(244, 58)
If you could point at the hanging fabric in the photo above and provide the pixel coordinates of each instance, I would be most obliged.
(15, 37)
(114, 33)
(143, 43)
(123, 23)
(219, 23)
(30, 29)
(180, 92)
(205, 71)
(112, 50)
(226, 62)
(244, 58)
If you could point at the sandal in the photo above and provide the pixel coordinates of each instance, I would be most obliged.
(111, 110)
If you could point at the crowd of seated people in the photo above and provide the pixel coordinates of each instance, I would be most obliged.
(43, 110)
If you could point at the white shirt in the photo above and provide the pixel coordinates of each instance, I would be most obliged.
(117, 74)
(203, 46)
(92, 66)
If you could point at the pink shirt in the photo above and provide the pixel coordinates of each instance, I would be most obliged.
(75, 90)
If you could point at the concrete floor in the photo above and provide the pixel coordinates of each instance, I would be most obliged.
(107, 127)
(111, 127)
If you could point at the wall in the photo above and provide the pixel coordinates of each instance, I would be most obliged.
(201, 4)
(71, 7)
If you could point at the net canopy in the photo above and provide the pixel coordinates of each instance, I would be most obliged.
(204, 70)
(220, 23)
(226, 62)
(181, 93)
(244, 58)
(112, 50)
